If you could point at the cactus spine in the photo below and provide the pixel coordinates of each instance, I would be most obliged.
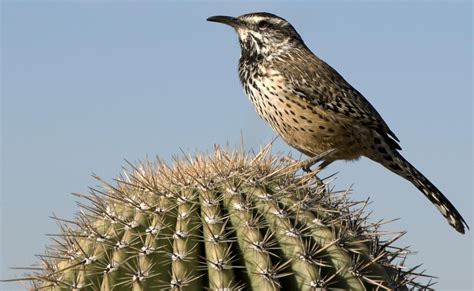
(228, 221)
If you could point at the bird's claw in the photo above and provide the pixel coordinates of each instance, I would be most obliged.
(307, 169)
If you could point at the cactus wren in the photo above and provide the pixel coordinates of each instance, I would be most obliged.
(313, 108)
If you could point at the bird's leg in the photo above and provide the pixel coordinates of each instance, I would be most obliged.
(307, 168)
(325, 157)
(308, 163)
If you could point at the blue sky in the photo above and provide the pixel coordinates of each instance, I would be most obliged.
(87, 84)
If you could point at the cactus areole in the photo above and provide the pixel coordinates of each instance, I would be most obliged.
(224, 221)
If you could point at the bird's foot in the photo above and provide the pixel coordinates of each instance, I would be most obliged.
(307, 164)
(307, 169)
(288, 159)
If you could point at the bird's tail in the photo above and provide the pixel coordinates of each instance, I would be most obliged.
(396, 163)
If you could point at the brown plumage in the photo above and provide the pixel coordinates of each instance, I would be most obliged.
(313, 108)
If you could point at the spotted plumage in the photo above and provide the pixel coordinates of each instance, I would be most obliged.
(313, 108)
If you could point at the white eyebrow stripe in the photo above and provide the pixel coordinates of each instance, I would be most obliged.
(258, 18)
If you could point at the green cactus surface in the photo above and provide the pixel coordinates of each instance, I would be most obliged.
(229, 220)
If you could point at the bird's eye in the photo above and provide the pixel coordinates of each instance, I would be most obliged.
(263, 24)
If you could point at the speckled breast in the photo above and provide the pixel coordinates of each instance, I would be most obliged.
(301, 124)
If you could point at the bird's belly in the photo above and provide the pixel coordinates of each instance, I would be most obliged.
(306, 127)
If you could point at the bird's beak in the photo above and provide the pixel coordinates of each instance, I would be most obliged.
(232, 21)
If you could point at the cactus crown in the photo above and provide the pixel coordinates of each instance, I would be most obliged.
(226, 221)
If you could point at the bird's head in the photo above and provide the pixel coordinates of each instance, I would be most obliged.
(262, 33)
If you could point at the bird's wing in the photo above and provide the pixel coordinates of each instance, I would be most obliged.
(323, 86)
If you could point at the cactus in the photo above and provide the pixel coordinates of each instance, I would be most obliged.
(226, 221)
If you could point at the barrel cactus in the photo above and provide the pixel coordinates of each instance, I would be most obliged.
(225, 221)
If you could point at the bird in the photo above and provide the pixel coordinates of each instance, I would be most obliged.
(313, 108)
